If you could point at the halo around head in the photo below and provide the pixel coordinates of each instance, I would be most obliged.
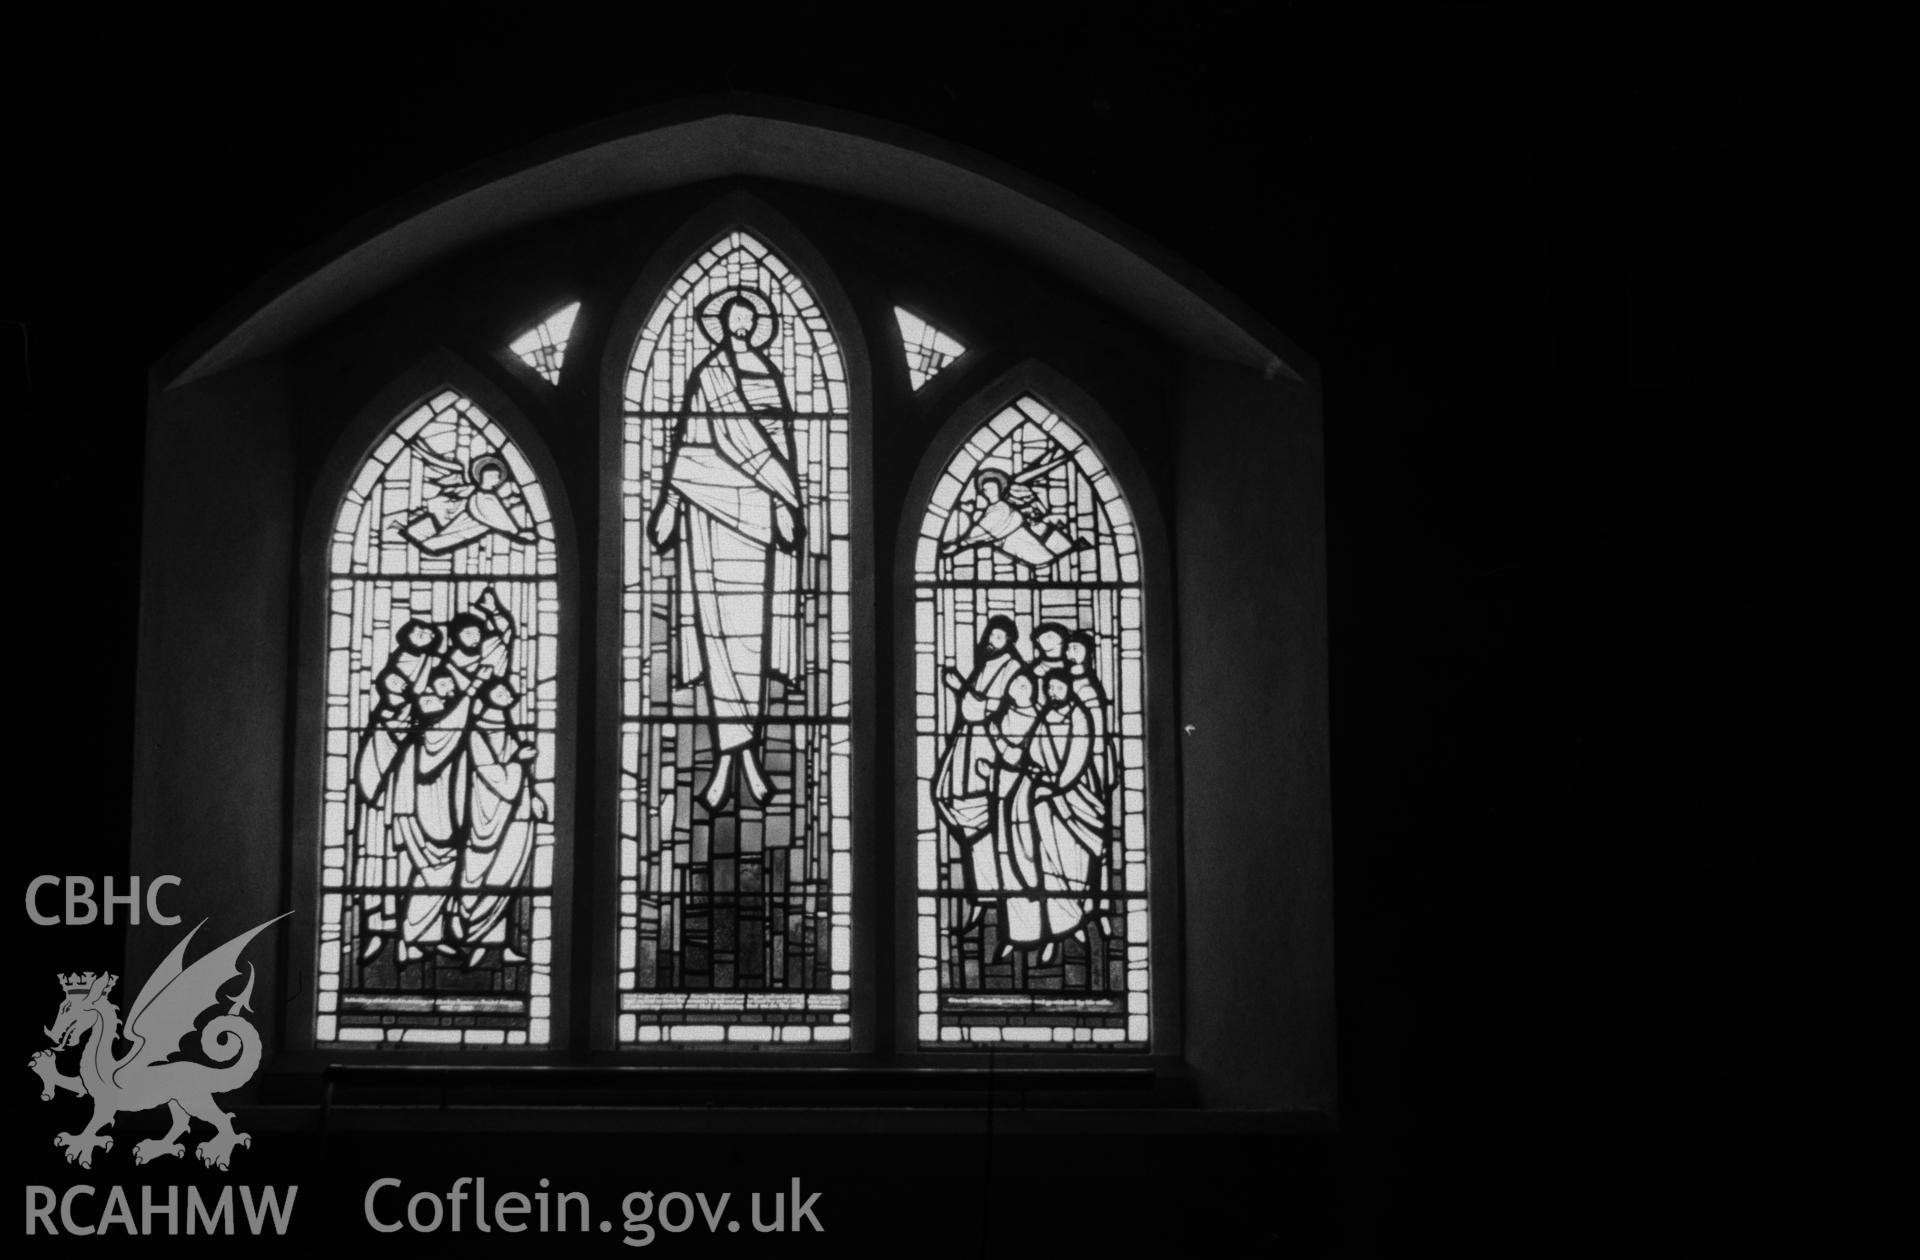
(765, 321)
(489, 460)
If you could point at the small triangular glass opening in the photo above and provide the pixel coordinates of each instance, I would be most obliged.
(544, 346)
(928, 348)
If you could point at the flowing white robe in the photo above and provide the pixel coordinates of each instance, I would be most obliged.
(433, 784)
(738, 603)
(378, 858)
(962, 790)
(1054, 830)
(1103, 770)
(498, 833)
(1012, 867)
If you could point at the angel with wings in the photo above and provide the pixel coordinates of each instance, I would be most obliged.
(731, 514)
(465, 504)
(1005, 515)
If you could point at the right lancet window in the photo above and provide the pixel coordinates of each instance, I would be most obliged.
(1030, 745)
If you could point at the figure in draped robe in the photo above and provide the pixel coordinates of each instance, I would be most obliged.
(1071, 820)
(1050, 829)
(1087, 689)
(1104, 767)
(432, 788)
(1015, 867)
(496, 832)
(436, 776)
(730, 512)
(378, 859)
(963, 782)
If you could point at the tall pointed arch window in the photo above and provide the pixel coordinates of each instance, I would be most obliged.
(437, 841)
(735, 754)
(1030, 745)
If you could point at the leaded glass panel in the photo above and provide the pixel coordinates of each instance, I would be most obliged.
(735, 824)
(543, 347)
(1029, 744)
(928, 349)
(437, 834)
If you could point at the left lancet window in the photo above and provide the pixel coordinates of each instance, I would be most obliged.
(735, 751)
(437, 829)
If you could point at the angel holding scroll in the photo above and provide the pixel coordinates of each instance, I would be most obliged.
(1005, 515)
(466, 504)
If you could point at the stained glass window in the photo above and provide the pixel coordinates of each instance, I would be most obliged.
(735, 829)
(1031, 845)
(437, 830)
(543, 347)
(928, 348)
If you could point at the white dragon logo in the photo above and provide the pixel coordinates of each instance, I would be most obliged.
(169, 1005)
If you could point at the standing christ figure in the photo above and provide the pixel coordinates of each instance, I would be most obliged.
(730, 512)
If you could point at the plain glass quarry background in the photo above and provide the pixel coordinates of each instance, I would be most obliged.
(1564, 835)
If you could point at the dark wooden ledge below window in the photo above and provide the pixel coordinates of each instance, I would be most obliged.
(1121, 1098)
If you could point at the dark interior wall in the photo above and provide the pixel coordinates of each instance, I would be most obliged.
(1244, 451)
(1496, 521)
(1257, 832)
(210, 724)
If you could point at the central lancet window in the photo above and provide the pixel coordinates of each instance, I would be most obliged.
(735, 816)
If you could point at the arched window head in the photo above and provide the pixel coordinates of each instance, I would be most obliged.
(735, 817)
(437, 840)
(1030, 745)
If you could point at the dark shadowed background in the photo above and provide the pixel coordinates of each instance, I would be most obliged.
(1568, 828)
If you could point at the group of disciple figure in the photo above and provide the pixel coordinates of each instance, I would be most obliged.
(1026, 785)
(444, 782)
